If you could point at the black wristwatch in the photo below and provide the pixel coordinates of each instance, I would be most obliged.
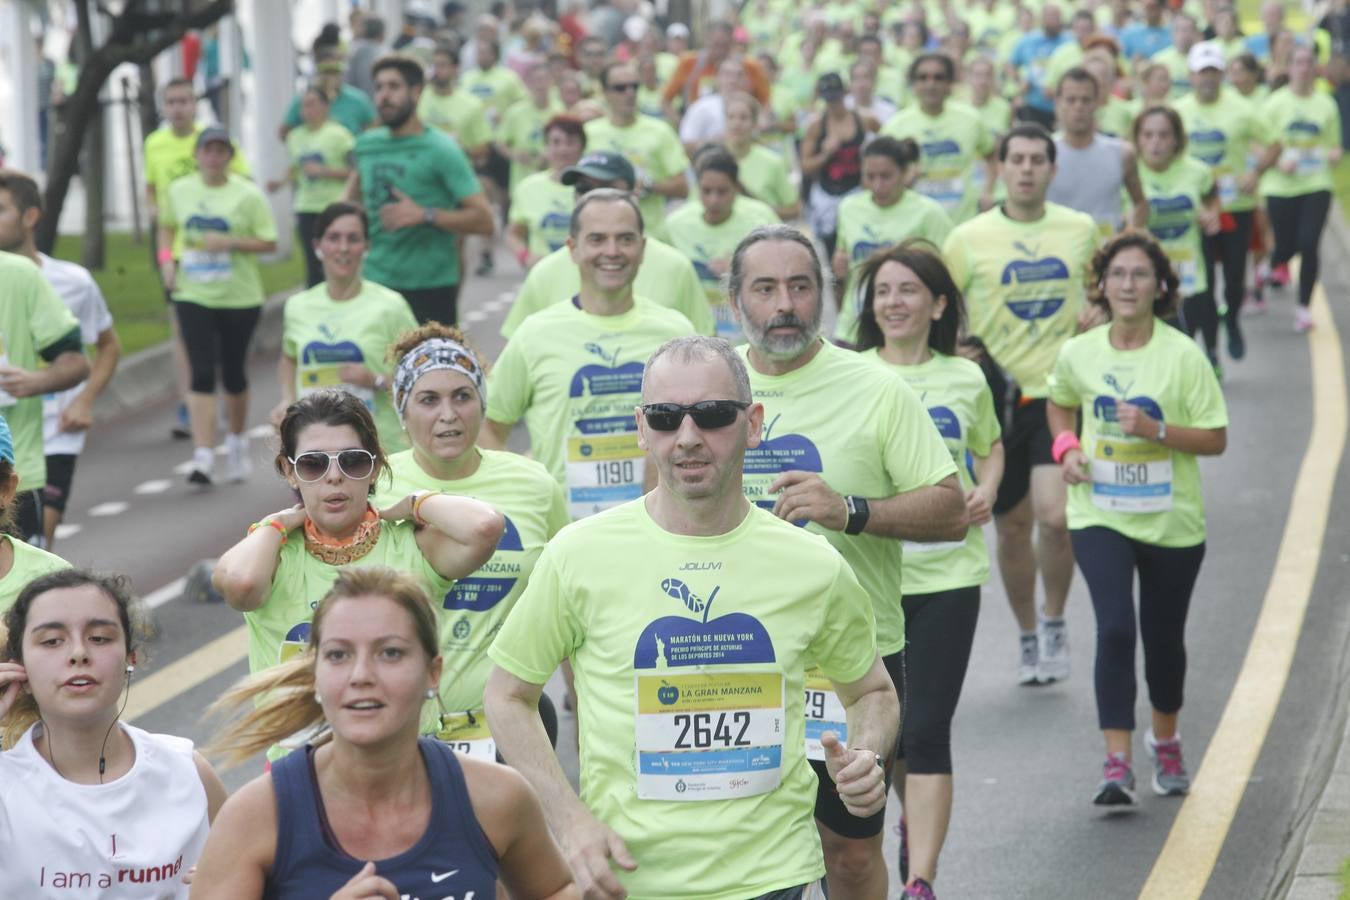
(858, 512)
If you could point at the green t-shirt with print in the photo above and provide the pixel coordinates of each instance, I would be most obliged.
(351, 109)
(1221, 135)
(1139, 488)
(711, 633)
(224, 279)
(575, 378)
(473, 610)
(431, 169)
(1308, 128)
(459, 114)
(321, 334)
(865, 228)
(29, 562)
(544, 206)
(32, 320)
(765, 176)
(703, 243)
(653, 148)
(522, 128)
(330, 145)
(951, 145)
(666, 278)
(959, 402)
(1023, 283)
(885, 445)
(1175, 199)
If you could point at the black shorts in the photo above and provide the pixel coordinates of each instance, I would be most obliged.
(830, 810)
(1026, 444)
(60, 475)
(436, 304)
(496, 167)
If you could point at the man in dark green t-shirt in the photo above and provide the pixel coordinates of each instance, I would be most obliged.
(422, 194)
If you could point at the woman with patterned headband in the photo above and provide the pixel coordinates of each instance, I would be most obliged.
(440, 395)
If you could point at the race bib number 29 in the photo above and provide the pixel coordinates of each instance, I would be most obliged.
(824, 712)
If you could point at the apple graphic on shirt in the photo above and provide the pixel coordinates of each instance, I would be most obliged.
(207, 223)
(295, 642)
(1104, 407)
(775, 455)
(557, 220)
(948, 425)
(484, 589)
(1037, 273)
(606, 380)
(327, 352)
(1207, 145)
(1170, 217)
(674, 641)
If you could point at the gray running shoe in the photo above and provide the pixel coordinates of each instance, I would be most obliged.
(1054, 651)
(1030, 656)
(1170, 778)
(1117, 787)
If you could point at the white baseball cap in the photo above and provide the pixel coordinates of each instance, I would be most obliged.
(1205, 55)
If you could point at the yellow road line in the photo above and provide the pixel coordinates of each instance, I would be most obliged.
(1183, 867)
(182, 675)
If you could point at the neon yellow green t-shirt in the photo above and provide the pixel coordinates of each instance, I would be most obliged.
(459, 114)
(764, 175)
(1139, 488)
(666, 277)
(703, 243)
(329, 145)
(497, 89)
(1023, 283)
(544, 206)
(168, 157)
(29, 563)
(32, 320)
(522, 128)
(1116, 118)
(885, 445)
(1062, 59)
(217, 279)
(473, 610)
(960, 404)
(1220, 135)
(1175, 197)
(1308, 128)
(653, 148)
(279, 628)
(1177, 67)
(575, 378)
(321, 334)
(690, 655)
(865, 228)
(951, 145)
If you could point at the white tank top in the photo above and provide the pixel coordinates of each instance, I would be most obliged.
(129, 839)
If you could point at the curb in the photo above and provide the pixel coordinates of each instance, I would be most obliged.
(146, 377)
(1320, 836)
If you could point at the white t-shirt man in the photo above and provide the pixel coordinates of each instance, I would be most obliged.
(81, 295)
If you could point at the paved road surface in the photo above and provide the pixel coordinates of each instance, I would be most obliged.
(1027, 758)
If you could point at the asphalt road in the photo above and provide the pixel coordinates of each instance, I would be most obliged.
(1027, 759)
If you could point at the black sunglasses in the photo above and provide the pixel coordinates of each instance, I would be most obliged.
(355, 464)
(707, 414)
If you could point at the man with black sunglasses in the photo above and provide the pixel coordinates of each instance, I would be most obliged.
(651, 145)
(719, 607)
(849, 451)
(573, 371)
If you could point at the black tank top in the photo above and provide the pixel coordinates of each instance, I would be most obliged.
(842, 171)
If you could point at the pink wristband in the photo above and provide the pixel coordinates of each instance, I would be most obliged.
(523, 256)
(165, 255)
(1064, 442)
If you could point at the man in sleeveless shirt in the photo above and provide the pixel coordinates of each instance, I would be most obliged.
(1092, 169)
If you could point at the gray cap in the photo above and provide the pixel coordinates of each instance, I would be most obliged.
(215, 133)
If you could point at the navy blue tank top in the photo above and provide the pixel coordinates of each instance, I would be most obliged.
(451, 861)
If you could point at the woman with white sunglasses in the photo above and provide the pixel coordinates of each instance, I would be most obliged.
(331, 455)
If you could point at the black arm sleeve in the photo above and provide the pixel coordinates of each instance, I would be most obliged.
(70, 341)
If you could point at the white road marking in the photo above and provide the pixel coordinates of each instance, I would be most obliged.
(154, 486)
(158, 597)
(66, 530)
(183, 468)
(111, 508)
(261, 431)
(475, 316)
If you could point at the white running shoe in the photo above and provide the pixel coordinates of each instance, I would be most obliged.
(238, 464)
(1029, 656)
(1054, 650)
(203, 464)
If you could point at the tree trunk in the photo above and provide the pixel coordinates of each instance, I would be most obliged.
(135, 36)
(94, 162)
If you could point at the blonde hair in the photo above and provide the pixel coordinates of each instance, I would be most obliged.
(283, 696)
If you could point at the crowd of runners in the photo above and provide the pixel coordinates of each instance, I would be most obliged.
(755, 549)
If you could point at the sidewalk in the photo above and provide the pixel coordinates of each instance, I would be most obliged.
(147, 377)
